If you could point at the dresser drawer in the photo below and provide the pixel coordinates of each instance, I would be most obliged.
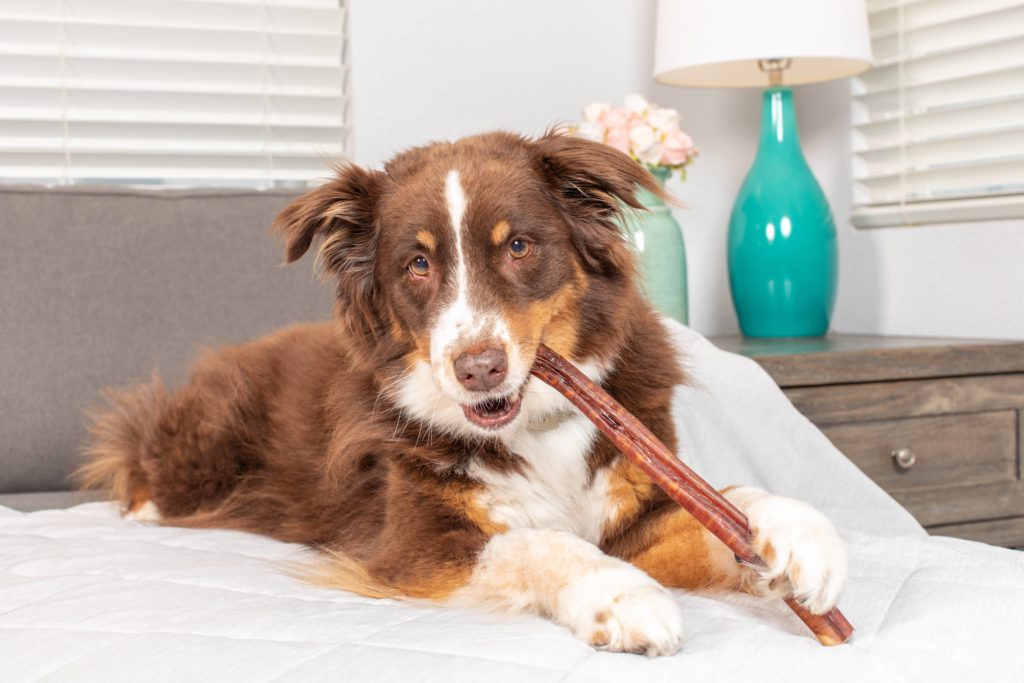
(909, 398)
(1005, 532)
(964, 467)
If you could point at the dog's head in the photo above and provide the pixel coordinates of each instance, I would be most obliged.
(458, 260)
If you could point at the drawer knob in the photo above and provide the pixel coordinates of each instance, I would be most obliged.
(904, 458)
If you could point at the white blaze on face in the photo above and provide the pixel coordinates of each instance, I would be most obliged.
(456, 319)
(460, 323)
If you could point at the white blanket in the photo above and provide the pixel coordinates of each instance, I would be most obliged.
(87, 596)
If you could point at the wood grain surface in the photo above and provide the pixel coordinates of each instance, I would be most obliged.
(1005, 532)
(950, 450)
(908, 398)
(843, 359)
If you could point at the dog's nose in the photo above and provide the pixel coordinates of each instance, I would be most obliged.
(481, 371)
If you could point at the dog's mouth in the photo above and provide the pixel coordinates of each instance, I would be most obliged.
(494, 413)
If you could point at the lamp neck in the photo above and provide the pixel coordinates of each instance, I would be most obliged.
(774, 68)
(778, 119)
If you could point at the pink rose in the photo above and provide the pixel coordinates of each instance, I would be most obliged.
(618, 137)
(591, 130)
(593, 112)
(646, 146)
(637, 103)
(651, 155)
(663, 120)
(677, 148)
(614, 118)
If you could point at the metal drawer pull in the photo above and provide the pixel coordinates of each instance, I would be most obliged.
(904, 458)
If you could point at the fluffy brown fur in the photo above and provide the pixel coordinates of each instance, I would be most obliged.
(302, 436)
(294, 435)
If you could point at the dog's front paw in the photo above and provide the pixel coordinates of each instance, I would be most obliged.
(805, 556)
(621, 609)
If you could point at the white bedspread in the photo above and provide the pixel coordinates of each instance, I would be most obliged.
(87, 596)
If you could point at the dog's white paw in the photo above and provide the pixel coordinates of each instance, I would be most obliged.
(622, 609)
(147, 513)
(803, 552)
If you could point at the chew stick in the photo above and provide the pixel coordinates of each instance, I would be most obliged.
(681, 483)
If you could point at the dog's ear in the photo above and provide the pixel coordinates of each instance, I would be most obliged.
(342, 209)
(341, 215)
(594, 184)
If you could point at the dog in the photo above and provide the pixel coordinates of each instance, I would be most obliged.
(406, 437)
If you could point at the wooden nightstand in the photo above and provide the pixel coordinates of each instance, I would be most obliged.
(935, 422)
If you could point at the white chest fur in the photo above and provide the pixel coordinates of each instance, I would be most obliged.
(554, 489)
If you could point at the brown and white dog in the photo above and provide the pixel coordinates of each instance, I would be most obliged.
(407, 438)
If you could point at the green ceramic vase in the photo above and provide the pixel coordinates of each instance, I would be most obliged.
(782, 239)
(658, 241)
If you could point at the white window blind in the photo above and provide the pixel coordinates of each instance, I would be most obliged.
(173, 92)
(938, 123)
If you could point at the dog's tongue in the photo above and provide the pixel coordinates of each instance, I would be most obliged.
(493, 413)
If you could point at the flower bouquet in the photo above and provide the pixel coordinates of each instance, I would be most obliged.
(646, 132)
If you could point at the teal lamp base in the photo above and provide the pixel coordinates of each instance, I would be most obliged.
(783, 261)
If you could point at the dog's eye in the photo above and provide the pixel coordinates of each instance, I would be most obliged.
(419, 266)
(518, 248)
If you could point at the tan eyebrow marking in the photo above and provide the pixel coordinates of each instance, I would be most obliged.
(427, 239)
(500, 232)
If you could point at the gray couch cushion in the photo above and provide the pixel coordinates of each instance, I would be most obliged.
(48, 500)
(100, 286)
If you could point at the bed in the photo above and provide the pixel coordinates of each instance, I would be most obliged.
(86, 595)
(98, 286)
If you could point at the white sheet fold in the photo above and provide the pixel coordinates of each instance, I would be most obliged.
(737, 427)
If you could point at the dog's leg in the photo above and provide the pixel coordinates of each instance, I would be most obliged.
(804, 555)
(607, 602)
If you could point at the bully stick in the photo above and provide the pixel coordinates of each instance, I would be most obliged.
(694, 494)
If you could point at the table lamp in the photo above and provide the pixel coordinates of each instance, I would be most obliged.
(782, 238)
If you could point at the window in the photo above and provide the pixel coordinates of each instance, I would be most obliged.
(938, 123)
(171, 92)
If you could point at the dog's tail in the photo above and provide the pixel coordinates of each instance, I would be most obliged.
(337, 570)
(334, 569)
(119, 436)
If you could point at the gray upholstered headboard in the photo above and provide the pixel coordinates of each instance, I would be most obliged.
(100, 286)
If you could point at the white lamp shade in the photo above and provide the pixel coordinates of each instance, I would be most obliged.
(717, 43)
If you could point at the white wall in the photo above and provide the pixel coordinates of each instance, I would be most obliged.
(425, 70)
(946, 280)
(438, 69)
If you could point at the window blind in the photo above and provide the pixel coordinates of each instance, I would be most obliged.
(172, 92)
(938, 123)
